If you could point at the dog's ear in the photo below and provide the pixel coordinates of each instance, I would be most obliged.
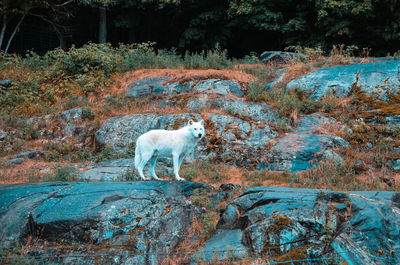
(202, 122)
(190, 122)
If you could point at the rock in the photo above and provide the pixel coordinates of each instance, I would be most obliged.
(280, 221)
(31, 155)
(333, 156)
(279, 57)
(224, 244)
(226, 138)
(3, 135)
(118, 223)
(297, 150)
(76, 115)
(121, 132)
(158, 85)
(15, 161)
(235, 140)
(220, 87)
(5, 83)
(146, 86)
(373, 77)
(394, 164)
(109, 170)
(73, 130)
(69, 129)
(250, 110)
(279, 74)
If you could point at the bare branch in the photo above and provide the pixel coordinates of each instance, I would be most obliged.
(66, 3)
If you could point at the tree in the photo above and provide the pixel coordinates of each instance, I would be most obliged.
(10, 9)
(102, 6)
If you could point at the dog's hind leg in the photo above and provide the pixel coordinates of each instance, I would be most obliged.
(152, 166)
(144, 158)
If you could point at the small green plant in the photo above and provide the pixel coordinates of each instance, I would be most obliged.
(62, 173)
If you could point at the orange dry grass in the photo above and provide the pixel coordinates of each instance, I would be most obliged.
(295, 70)
(186, 248)
(178, 75)
(26, 172)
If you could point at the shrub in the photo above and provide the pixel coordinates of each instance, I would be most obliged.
(62, 173)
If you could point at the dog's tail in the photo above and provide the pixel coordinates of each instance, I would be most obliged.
(137, 154)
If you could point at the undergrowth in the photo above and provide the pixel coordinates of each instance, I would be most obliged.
(41, 82)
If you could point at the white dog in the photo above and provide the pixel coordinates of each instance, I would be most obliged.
(161, 143)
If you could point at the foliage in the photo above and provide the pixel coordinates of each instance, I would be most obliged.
(43, 82)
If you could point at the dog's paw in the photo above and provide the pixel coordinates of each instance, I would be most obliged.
(180, 179)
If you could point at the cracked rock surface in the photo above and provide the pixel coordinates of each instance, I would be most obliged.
(134, 223)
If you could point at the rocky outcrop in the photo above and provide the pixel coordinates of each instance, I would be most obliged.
(294, 224)
(338, 80)
(143, 222)
(121, 132)
(279, 57)
(118, 223)
(301, 148)
(114, 169)
(164, 86)
(227, 138)
(76, 115)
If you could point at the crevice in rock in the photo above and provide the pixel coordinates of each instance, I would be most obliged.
(261, 203)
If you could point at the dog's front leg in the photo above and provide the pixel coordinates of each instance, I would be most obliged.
(175, 157)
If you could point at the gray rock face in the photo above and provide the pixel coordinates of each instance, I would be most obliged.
(250, 110)
(76, 115)
(15, 161)
(108, 170)
(339, 79)
(276, 220)
(5, 83)
(31, 154)
(121, 132)
(227, 138)
(296, 151)
(220, 87)
(158, 85)
(279, 57)
(120, 223)
(3, 135)
(146, 86)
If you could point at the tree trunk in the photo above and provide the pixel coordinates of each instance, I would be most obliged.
(102, 25)
(3, 30)
(13, 34)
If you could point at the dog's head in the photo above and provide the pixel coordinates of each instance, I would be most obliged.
(196, 129)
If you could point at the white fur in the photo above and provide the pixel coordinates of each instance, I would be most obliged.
(161, 143)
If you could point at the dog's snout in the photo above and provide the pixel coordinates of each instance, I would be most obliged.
(200, 135)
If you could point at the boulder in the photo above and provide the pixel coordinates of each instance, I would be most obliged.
(224, 244)
(295, 224)
(373, 78)
(76, 115)
(299, 149)
(30, 154)
(118, 223)
(5, 83)
(279, 57)
(15, 161)
(277, 75)
(3, 135)
(250, 110)
(121, 132)
(220, 87)
(227, 138)
(146, 86)
(161, 85)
